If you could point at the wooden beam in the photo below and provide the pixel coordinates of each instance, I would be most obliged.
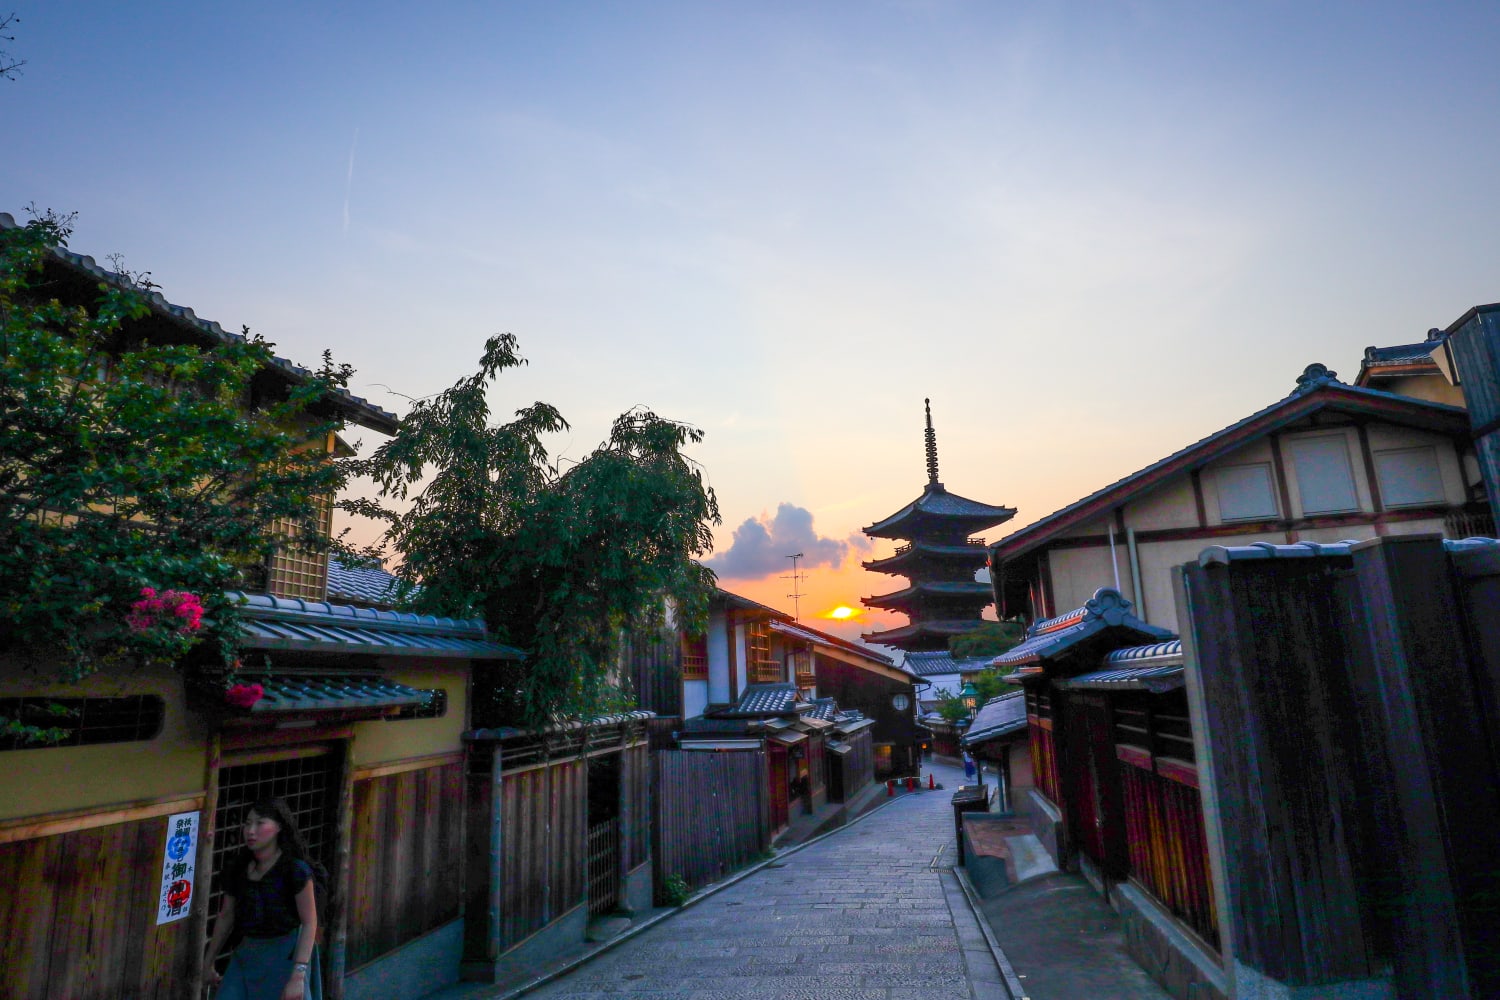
(1283, 489)
(365, 772)
(1369, 461)
(73, 820)
(1197, 477)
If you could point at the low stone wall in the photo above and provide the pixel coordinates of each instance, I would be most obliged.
(1182, 966)
(1047, 823)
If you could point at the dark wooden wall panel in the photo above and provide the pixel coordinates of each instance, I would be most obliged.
(404, 865)
(712, 813)
(543, 816)
(635, 795)
(79, 917)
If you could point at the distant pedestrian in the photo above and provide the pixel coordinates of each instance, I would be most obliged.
(969, 770)
(270, 896)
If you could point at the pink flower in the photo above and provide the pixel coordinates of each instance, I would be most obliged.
(244, 695)
(153, 610)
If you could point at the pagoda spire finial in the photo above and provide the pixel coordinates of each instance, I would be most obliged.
(932, 462)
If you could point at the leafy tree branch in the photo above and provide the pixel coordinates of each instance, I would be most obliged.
(558, 561)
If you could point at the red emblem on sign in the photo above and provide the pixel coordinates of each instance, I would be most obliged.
(178, 893)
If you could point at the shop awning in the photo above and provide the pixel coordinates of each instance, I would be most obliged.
(788, 739)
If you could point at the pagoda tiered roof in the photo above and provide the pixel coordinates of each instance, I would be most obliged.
(936, 589)
(940, 513)
(970, 553)
(923, 634)
(942, 599)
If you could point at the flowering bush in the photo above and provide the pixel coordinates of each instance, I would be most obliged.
(177, 611)
(244, 695)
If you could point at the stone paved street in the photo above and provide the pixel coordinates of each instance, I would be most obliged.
(873, 912)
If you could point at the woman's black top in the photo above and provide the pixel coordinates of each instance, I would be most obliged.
(268, 908)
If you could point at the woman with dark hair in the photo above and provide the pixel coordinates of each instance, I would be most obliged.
(270, 897)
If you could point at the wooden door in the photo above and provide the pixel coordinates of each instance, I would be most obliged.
(780, 804)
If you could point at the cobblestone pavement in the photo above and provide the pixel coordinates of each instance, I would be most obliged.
(873, 912)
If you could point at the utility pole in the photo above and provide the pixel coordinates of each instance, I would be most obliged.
(796, 594)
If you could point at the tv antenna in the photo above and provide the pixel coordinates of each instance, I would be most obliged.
(796, 594)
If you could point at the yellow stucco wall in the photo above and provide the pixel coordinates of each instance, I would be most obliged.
(55, 779)
(379, 741)
(1433, 388)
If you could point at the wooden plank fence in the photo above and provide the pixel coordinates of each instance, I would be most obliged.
(405, 857)
(712, 813)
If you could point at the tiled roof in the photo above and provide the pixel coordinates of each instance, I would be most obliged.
(278, 623)
(324, 692)
(999, 716)
(1156, 651)
(812, 635)
(1141, 677)
(1155, 667)
(918, 550)
(940, 588)
(360, 411)
(360, 586)
(1054, 636)
(936, 503)
(942, 662)
(940, 627)
(763, 699)
(824, 708)
(1317, 390)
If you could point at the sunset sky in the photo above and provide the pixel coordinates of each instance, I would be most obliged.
(1090, 232)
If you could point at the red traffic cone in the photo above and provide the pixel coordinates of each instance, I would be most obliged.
(931, 781)
(890, 788)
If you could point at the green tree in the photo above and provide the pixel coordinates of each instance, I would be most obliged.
(989, 639)
(558, 560)
(130, 459)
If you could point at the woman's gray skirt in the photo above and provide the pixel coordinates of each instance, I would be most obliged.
(260, 967)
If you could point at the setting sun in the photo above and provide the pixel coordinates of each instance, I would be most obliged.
(842, 612)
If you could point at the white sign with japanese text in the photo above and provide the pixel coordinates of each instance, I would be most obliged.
(177, 868)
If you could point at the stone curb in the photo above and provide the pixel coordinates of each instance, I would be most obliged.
(1013, 984)
(693, 900)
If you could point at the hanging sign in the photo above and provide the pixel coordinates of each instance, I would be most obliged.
(177, 868)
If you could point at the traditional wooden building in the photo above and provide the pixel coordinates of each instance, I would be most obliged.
(114, 838)
(1328, 462)
(1114, 767)
(998, 737)
(940, 561)
(1343, 700)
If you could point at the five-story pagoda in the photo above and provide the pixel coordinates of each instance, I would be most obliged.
(940, 560)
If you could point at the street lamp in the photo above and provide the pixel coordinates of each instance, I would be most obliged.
(970, 697)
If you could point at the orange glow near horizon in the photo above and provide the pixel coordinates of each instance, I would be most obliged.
(842, 612)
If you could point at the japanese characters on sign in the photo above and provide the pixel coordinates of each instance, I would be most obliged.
(177, 868)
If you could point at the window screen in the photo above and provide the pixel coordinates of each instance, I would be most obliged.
(75, 722)
(1409, 477)
(1325, 480)
(1246, 492)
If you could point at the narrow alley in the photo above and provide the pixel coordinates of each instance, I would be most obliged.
(873, 912)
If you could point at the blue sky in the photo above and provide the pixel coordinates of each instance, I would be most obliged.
(1091, 232)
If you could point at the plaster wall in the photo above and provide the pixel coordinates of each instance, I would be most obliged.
(1170, 505)
(1158, 559)
(54, 779)
(717, 641)
(694, 698)
(378, 740)
(1433, 388)
(1077, 573)
(741, 659)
